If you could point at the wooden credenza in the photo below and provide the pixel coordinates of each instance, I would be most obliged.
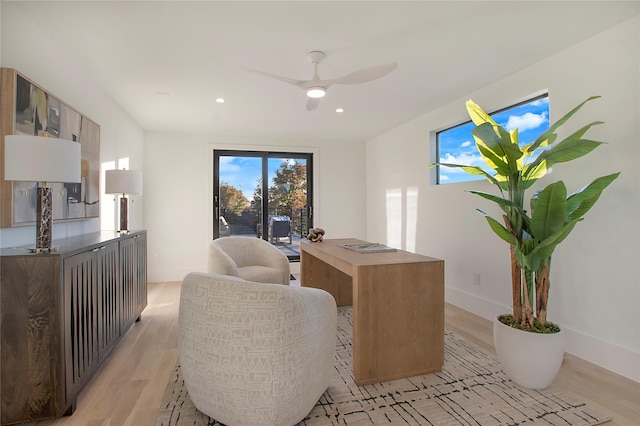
(61, 314)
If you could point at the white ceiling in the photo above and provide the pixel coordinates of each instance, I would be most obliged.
(198, 51)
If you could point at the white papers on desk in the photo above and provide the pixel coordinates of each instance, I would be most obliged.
(368, 248)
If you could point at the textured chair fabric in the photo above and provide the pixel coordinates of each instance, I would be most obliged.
(251, 259)
(255, 354)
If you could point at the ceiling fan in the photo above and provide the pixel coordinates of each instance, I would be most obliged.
(317, 88)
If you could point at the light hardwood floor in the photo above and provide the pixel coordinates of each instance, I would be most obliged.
(129, 387)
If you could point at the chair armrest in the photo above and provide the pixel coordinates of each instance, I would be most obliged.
(220, 262)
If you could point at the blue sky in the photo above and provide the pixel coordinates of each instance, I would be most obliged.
(457, 145)
(245, 172)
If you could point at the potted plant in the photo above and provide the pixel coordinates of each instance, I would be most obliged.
(532, 232)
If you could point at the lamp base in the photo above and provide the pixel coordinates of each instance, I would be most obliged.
(124, 215)
(44, 219)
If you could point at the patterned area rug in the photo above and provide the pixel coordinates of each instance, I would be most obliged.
(470, 390)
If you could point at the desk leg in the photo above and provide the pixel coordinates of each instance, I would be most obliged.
(398, 321)
(316, 273)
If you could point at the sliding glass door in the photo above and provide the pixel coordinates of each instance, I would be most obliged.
(265, 195)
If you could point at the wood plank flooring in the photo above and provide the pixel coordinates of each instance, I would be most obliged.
(129, 387)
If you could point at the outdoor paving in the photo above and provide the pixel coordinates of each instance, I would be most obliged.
(292, 249)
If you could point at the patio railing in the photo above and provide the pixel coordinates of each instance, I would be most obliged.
(249, 222)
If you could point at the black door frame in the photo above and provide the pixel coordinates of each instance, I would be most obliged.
(265, 155)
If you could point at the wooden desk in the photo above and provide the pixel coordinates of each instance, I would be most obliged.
(398, 306)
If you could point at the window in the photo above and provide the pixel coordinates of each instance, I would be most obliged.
(456, 144)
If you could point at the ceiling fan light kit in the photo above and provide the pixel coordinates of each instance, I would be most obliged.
(317, 88)
(316, 92)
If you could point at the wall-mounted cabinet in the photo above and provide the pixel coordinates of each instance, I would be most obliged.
(61, 314)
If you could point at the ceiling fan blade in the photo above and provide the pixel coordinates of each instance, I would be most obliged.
(365, 75)
(312, 103)
(298, 83)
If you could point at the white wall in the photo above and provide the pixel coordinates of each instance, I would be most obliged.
(595, 291)
(25, 48)
(178, 194)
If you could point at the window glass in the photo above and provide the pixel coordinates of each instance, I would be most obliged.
(456, 144)
(283, 216)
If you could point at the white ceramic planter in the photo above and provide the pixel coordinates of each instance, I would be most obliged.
(531, 360)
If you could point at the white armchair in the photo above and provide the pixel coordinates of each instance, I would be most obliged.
(252, 259)
(255, 354)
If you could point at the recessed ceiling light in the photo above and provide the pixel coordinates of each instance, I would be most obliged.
(339, 109)
(220, 100)
(162, 93)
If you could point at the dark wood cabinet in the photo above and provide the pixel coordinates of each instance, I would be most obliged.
(61, 314)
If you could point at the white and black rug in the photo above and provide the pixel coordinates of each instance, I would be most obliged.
(470, 390)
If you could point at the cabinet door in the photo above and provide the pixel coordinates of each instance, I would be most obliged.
(31, 340)
(108, 297)
(141, 276)
(128, 267)
(80, 277)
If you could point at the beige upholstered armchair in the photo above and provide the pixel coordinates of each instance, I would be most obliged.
(252, 353)
(252, 259)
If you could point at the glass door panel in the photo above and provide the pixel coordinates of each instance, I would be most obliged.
(239, 204)
(283, 216)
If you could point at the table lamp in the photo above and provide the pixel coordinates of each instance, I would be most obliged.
(40, 159)
(123, 182)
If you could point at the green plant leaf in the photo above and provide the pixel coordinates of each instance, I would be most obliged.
(580, 202)
(509, 142)
(548, 210)
(477, 114)
(472, 170)
(491, 148)
(502, 202)
(544, 249)
(496, 143)
(549, 136)
(522, 250)
(532, 174)
(578, 134)
(567, 150)
(499, 229)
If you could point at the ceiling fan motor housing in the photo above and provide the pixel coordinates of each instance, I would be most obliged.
(315, 57)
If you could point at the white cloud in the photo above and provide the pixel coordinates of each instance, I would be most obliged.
(465, 144)
(526, 121)
(466, 158)
(541, 101)
(455, 174)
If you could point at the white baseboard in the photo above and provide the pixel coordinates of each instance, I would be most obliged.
(612, 357)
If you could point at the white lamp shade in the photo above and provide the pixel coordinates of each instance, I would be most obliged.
(39, 159)
(123, 182)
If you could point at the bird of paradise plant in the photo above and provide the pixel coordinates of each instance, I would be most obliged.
(532, 234)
